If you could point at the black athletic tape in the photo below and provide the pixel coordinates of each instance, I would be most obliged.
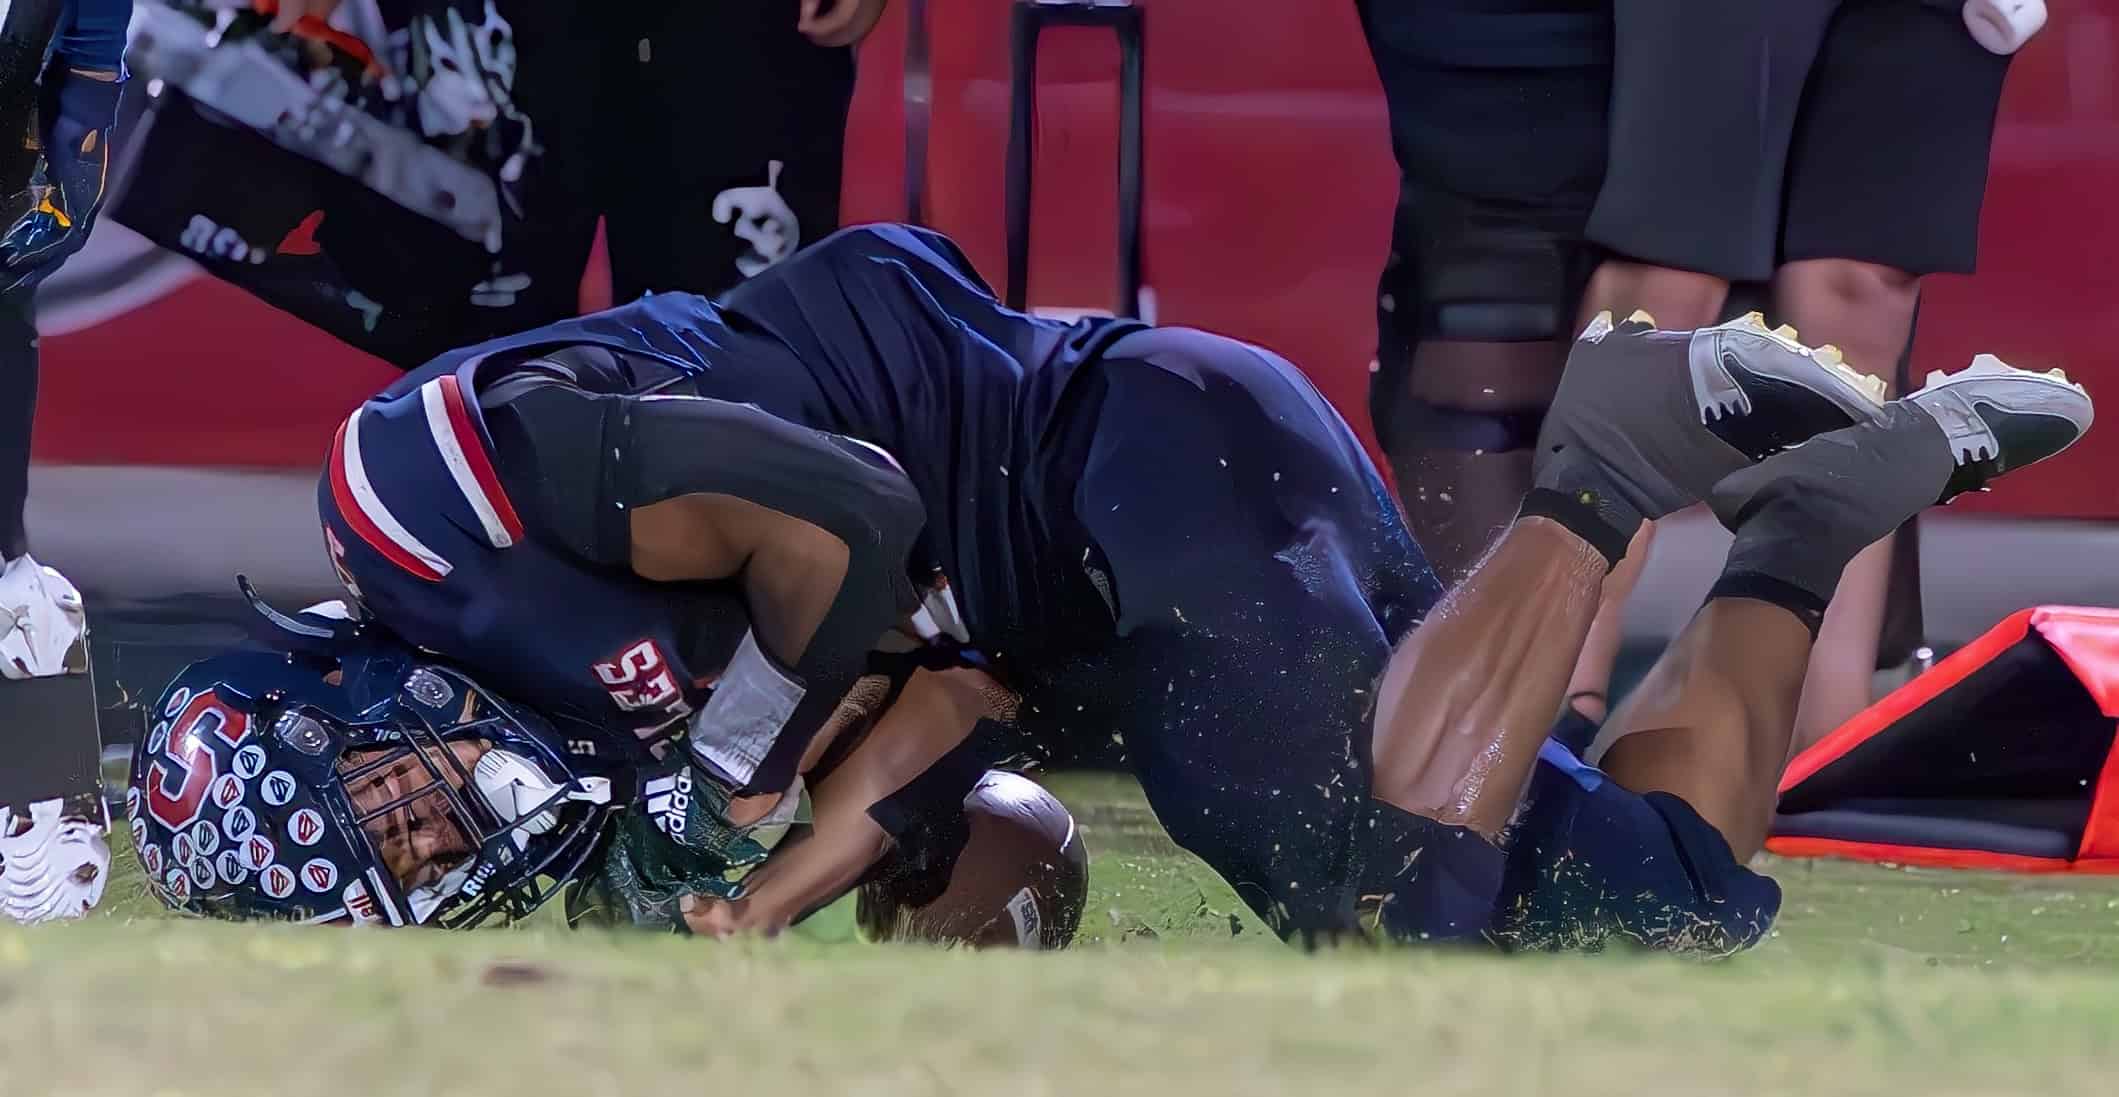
(1578, 512)
(942, 655)
(1434, 426)
(937, 795)
(1759, 587)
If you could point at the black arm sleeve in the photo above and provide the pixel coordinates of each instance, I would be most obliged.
(26, 30)
(687, 445)
(643, 450)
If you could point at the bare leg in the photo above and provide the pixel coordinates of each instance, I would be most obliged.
(1711, 722)
(1864, 309)
(1465, 702)
(1460, 441)
(1677, 299)
(1841, 679)
(1589, 689)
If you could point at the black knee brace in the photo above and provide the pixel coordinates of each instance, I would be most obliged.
(1463, 271)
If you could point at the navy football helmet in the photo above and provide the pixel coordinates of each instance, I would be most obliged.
(273, 785)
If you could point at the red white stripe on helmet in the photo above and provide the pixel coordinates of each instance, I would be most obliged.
(365, 514)
(464, 451)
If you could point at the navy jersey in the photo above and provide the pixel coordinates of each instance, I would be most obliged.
(882, 334)
(422, 533)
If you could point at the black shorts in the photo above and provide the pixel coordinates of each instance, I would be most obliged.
(708, 135)
(1747, 134)
(1590, 862)
(1497, 123)
(18, 406)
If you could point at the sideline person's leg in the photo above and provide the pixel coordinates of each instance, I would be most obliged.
(1855, 246)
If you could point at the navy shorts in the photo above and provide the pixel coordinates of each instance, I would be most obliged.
(1590, 862)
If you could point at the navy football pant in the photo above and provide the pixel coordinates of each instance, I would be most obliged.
(1258, 576)
(1590, 863)
(18, 407)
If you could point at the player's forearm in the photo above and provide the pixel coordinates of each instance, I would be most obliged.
(811, 871)
(934, 714)
(817, 530)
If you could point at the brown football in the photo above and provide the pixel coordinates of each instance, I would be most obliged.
(1019, 881)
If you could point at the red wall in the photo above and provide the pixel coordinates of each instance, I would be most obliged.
(1269, 188)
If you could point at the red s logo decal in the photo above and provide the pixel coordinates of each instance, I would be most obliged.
(639, 678)
(191, 757)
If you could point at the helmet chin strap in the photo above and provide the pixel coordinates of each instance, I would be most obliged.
(424, 900)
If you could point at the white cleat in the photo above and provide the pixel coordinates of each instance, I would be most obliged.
(41, 621)
(51, 867)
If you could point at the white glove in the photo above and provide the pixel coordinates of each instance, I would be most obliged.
(40, 619)
(56, 868)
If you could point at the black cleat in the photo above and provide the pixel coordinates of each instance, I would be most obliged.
(1800, 516)
(2000, 418)
(1649, 421)
(1761, 391)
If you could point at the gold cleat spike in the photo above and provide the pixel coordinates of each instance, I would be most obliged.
(1753, 320)
(1830, 355)
(1641, 316)
(1787, 332)
(2057, 373)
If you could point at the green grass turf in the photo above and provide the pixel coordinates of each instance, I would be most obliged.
(1878, 981)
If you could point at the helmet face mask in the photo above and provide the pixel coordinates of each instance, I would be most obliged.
(269, 787)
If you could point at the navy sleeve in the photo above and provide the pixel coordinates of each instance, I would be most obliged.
(92, 34)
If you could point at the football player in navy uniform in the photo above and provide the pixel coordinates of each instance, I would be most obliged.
(61, 66)
(695, 519)
(354, 779)
(61, 74)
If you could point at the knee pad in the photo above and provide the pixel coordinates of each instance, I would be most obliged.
(1419, 424)
(1480, 270)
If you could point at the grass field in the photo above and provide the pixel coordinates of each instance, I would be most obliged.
(1878, 981)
